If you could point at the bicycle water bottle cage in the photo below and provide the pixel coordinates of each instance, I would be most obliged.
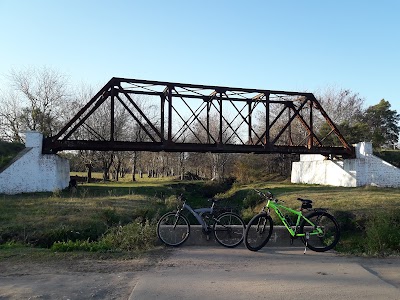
(305, 203)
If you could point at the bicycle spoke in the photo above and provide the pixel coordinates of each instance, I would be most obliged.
(228, 229)
(173, 229)
(325, 235)
(258, 232)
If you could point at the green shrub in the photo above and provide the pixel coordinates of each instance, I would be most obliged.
(12, 245)
(373, 234)
(349, 221)
(79, 245)
(131, 237)
(110, 216)
(134, 236)
(247, 214)
(251, 200)
(8, 151)
(383, 232)
(212, 188)
(391, 156)
(171, 202)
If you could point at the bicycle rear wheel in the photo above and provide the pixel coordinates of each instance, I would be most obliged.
(173, 229)
(229, 229)
(258, 231)
(325, 240)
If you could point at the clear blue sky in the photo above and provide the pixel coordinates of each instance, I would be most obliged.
(282, 45)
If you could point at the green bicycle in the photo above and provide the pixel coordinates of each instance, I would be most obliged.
(318, 229)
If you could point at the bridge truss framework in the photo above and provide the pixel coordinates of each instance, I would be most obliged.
(178, 117)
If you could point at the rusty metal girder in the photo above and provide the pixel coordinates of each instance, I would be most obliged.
(143, 115)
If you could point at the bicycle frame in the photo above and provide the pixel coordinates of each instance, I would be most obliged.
(276, 207)
(197, 213)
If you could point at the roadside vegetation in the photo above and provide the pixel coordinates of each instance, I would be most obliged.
(8, 151)
(120, 217)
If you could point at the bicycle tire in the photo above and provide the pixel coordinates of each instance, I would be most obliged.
(258, 231)
(229, 229)
(331, 231)
(172, 229)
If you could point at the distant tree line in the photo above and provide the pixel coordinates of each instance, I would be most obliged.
(42, 100)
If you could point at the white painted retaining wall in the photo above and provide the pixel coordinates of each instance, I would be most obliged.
(33, 171)
(365, 169)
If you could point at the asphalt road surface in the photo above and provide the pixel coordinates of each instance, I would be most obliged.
(196, 272)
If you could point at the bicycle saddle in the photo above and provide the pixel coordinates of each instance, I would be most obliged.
(305, 203)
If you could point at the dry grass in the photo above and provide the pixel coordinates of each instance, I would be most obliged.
(42, 218)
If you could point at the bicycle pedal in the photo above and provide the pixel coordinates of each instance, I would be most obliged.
(208, 237)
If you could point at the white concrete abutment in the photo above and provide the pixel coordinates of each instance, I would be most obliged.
(365, 169)
(32, 171)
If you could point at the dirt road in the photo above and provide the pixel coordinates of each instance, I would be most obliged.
(70, 278)
(274, 273)
(192, 272)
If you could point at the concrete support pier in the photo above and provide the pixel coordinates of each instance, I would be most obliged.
(365, 169)
(32, 171)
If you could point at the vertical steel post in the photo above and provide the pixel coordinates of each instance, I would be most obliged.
(311, 137)
(162, 99)
(220, 119)
(267, 125)
(169, 113)
(208, 121)
(290, 141)
(112, 117)
(250, 139)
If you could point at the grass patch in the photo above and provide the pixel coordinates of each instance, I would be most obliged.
(369, 217)
(96, 211)
(120, 217)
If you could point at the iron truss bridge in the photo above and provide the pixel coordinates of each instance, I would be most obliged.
(144, 115)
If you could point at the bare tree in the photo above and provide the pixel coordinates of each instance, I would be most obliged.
(137, 130)
(81, 96)
(215, 163)
(42, 94)
(35, 101)
(342, 105)
(10, 125)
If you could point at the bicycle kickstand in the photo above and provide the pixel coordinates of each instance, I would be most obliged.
(307, 238)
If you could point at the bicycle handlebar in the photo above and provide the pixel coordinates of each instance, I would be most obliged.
(183, 200)
(267, 196)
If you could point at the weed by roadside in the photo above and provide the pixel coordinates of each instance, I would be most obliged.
(131, 237)
(108, 218)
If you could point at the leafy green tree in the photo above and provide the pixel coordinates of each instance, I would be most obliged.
(377, 124)
(383, 128)
(354, 132)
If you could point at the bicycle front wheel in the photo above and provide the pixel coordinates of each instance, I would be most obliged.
(324, 235)
(173, 229)
(229, 229)
(258, 231)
